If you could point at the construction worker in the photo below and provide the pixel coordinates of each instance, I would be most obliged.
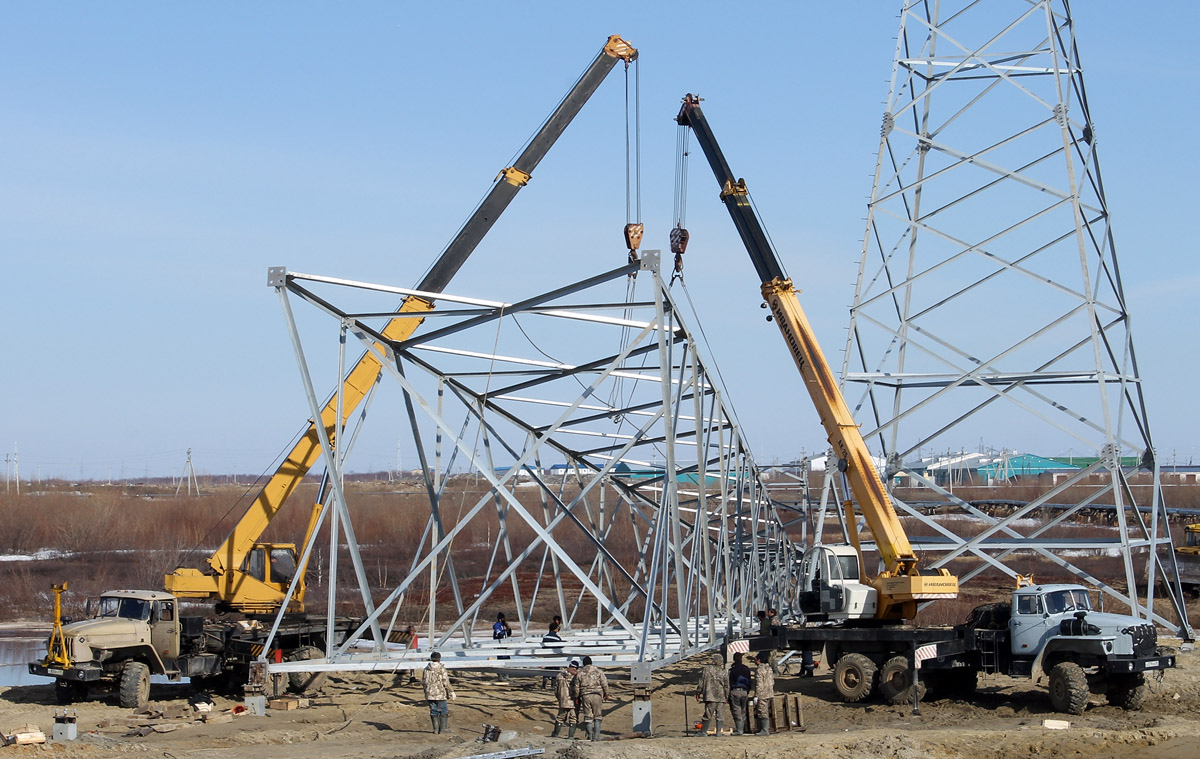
(764, 691)
(739, 692)
(436, 682)
(589, 688)
(410, 644)
(713, 691)
(500, 631)
(567, 710)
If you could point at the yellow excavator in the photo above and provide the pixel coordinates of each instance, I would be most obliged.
(1187, 556)
(837, 570)
(250, 576)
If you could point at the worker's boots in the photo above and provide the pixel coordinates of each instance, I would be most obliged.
(444, 723)
(557, 730)
(720, 728)
(703, 731)
(437, 723)
(596, 729)
(764, 727)
(571, 732)
(739, 726)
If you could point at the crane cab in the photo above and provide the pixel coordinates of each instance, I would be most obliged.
(832, 587)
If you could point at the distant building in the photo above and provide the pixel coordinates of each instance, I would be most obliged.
(1007, 466)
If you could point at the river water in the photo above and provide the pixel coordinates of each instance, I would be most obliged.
(17, 649)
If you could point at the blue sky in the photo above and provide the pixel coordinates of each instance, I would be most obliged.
(155, 159)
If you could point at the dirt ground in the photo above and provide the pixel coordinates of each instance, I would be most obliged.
(379, 715)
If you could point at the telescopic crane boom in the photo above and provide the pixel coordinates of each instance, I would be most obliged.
(239, 573)
(901, 584)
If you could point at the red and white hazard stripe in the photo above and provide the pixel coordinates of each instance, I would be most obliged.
(926, 652)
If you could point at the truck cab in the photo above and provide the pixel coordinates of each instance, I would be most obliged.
(1054, 630)
(130, 635)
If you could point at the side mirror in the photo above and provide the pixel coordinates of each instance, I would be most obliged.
(89, 610)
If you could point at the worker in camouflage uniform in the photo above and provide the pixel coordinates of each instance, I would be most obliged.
(436, 682)
(567, 711)
(764, 691)
(713, 691)
(740, 679)
(589, 688)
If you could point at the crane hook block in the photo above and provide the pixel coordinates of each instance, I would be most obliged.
(619, 48)
(679, 240)
(633, 236)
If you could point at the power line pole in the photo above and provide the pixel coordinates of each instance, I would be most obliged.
(189, 476)
(988, 209)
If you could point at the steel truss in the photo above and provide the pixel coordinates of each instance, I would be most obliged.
(618, 490)
(989, 300)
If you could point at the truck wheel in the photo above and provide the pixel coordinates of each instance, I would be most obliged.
(854, 677)
(68, 692)
(895, 681)
(1127, 691)
(135, 686)
(1068, 688)
(307, 682)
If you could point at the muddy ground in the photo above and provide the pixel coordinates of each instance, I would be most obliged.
(382, 716)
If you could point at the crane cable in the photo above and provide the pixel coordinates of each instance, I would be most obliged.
(633, 165)
(633, 215)
(679, 234)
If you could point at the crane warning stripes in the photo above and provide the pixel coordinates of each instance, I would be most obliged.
(925, 652)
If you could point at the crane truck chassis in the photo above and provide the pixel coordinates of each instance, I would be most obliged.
(134, 634)
(1048, 630)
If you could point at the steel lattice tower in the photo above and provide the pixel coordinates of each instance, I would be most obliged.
(989, 302)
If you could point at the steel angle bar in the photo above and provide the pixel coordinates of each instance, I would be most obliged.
(405, 291)
(516, 308)
(332, 463)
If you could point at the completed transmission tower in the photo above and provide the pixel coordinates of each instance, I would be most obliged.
(989, 304)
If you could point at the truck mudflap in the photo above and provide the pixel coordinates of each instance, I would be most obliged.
(1122, 665)
(75, 674)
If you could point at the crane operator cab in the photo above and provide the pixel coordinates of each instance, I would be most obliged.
(832, 586)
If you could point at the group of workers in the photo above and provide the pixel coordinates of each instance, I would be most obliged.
(581, 689)
(580, 692)
(718, 688)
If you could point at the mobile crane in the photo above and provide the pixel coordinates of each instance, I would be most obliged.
(250, 576)
(138, 633)
(895, 592)
(1047, 629)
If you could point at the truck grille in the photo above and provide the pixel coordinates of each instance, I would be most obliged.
(1145, 640)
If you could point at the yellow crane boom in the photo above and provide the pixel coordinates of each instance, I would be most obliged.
(902, 584)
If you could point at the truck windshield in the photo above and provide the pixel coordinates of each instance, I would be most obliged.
(1068, 600)
(126, 608)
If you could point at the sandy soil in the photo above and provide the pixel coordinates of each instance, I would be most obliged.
(382, 716)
